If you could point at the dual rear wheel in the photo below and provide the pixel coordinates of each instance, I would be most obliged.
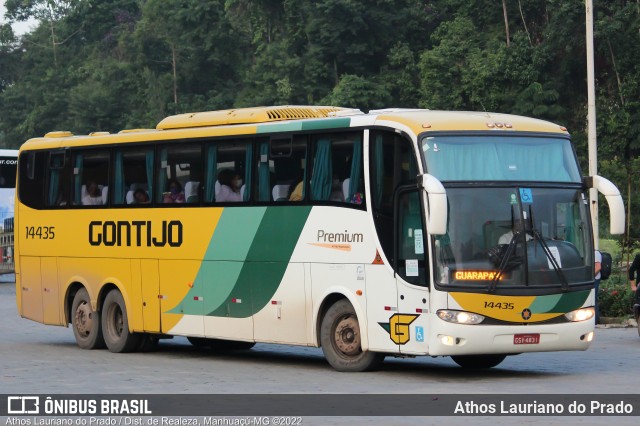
(108, 327)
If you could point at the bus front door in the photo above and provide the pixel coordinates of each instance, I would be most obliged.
(412, 272)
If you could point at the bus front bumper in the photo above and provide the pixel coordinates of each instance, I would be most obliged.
(458, 339)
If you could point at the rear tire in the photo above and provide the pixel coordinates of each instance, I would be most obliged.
(115, 325)
(478, 361)
(341, 342)
(86, 324)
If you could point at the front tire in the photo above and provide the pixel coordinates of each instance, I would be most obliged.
(86, 324)
(115, 325)
(341, 341)
(478, 361)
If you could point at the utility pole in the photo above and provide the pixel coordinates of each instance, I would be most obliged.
(591, 123)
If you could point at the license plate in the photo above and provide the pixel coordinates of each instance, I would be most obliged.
(526, 339)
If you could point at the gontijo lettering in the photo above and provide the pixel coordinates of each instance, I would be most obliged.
(138, 233)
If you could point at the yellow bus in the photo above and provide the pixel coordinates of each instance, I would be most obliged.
(395, 232)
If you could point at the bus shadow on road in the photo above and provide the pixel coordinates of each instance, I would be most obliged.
(312, 358)
(443, 367)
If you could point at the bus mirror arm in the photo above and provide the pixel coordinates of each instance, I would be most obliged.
(435, 200)
(614, 200)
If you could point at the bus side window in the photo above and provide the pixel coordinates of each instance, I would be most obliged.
(132, 176)
(227, 158)
(58, 183)
(282, 172)
(412, 266)
(32, 177)
(177, 165)
(90, 170)
(337, 171)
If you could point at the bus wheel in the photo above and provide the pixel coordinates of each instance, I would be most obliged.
(87, 328)
(478, 361)
(115, 325)
(340, 340)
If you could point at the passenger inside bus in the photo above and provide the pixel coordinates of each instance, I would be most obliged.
(93, 195)
(175, 194)
(296, 192)
(230, 184)
(140, 196)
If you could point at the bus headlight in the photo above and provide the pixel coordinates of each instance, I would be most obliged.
(459, 317)
(580, 314)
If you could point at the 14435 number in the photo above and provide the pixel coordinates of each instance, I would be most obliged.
(498, 305)
(41, 232)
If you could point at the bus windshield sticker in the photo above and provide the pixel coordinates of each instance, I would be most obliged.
(526, 196)
(556, 255)
(514, 199)
(419, 247)
(411, 266)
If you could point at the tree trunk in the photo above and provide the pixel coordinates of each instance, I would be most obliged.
(53, 43)
(615, 69)
(506, 20)
(175, 74)
(523, 22)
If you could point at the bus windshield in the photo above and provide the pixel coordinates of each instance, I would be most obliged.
(503, 238)
(500, 158)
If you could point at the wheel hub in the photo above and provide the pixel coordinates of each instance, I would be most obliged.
(84, 319)
(347, 336)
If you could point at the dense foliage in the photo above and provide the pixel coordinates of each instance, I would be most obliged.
(112, 64)
(615, 298)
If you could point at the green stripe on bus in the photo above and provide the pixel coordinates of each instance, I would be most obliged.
(571, 301)
(223, 259)
(543, 304)
(245, 261)
(279, 127)
(336, 123)
(266, 263)
(326, 124)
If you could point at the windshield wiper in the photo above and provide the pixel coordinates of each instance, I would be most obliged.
(537, 236)
(506, 262)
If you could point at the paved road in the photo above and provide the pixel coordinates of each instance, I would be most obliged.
(35, 358)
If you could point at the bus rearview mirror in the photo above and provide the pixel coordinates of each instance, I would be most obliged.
(614, 200)
(435, 200)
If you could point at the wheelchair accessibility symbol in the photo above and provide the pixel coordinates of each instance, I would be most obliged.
(419, 334)
(526, 196)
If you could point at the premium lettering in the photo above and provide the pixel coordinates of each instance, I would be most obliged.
(345, 237)
(137, 233)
